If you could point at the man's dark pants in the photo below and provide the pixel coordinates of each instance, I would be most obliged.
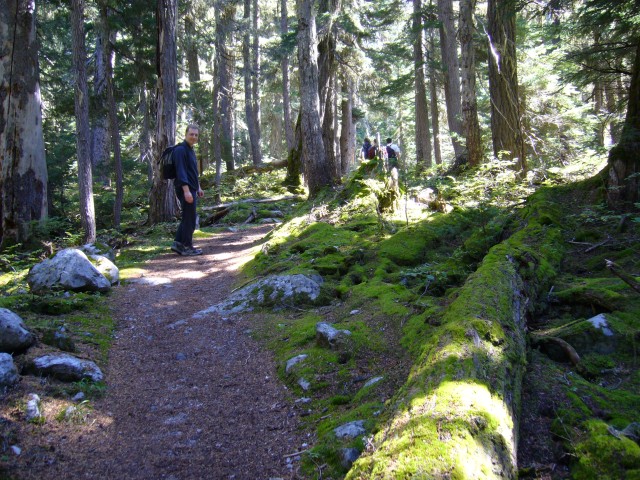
(184, 235)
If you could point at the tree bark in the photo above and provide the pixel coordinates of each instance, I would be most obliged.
(327, 86)
(348, 133)
(85, 177)
(469, 102)
(451, 66)
(23, 178)
(423, 134)
(292, 180)
(314, 158)
(163, 203)
(284, 63)
(623, 184)
(114, 126)
(255, 90)
(100, 122)
(225, 69)
(433, 94)
(506, 128)
(249, 105)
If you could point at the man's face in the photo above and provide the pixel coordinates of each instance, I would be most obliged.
(192, 136)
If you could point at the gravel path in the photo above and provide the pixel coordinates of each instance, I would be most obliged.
(187, 398)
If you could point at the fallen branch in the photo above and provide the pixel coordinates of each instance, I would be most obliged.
(562, 344)
(624, 276)
(593, 247)
(296, 454)
(252, 200)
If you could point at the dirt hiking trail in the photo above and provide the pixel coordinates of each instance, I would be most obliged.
(187, 398)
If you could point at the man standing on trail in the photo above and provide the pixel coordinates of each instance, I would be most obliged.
(187, 190)
(393, 153)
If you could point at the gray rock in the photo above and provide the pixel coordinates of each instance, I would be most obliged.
(292, 362)
(350, 430)
(596, 335)
(100, 249)
(304, 384)
(348, 456)
(16, 450)
(373, 381)
(106, 267)
(66, 368)
(279, 291)
(78, 397)
(70, 269)
(329, 337)
(8, 372)
(32, 412)
(14, 336)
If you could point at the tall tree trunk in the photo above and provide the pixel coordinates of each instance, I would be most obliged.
(85, 178)
(348, 133)
(284, 63)
(623, 185)
(255, 88)
(114, 127)
(327, 85)
(23, 178)
(433, 94)
(225, 67)
(216, 141)
(250, 112)
(506, 129)
(100, 121)
(314, 158)
(451, 66)
(610, 96)
(423, 138)
(146, 148)
(163, 203)
(469, 102)
(294, 161)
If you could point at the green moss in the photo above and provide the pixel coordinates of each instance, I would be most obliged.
(603, 456)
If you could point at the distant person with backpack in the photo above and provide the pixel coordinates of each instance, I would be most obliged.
(364, 151)
(374, 150)
(187, 187)
(393, 154)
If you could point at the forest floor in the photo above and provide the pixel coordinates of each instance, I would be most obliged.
(186, 398)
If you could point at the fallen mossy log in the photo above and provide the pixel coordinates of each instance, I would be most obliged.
(262, 168)
(457, 414)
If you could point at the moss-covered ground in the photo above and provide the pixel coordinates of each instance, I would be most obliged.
(396, 279)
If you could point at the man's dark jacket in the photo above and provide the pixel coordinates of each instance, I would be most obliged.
(186, 167)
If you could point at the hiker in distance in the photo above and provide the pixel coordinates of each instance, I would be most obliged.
(393, 153)
(188, 190)
(364, 151)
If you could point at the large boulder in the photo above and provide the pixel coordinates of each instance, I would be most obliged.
(106, 267)
(8, 372)
(66, 368)
(14, 336)
(69, 269)
(279, 291)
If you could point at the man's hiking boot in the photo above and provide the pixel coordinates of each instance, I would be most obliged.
(192, 252)
(182, 249)
(178, 247)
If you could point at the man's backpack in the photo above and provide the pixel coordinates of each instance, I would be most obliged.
(373, 152)
(391, 153)
(167, 165)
